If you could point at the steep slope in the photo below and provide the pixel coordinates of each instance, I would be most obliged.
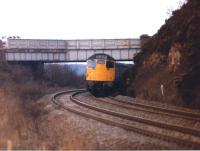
(168, 67)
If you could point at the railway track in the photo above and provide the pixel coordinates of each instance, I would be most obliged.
(178, 113)
(154, 117)
(149, 109)
(181, 141)
(140, 119)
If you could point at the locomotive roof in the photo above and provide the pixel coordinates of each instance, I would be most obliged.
(101, 56)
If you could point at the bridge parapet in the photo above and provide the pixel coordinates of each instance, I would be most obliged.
(72, 44)
(69, 50)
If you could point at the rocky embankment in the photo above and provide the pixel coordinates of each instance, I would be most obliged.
(168, 67)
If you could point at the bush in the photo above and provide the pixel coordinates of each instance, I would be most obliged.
(63, 76)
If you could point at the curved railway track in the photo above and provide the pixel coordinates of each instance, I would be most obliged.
(184, 114)
(139, 119)
(150, 109)
(181, 141)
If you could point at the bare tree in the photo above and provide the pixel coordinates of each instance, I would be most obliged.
(1, 44)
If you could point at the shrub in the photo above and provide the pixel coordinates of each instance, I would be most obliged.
(63, 76)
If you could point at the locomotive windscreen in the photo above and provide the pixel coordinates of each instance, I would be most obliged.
(91, 63)
(101, 56)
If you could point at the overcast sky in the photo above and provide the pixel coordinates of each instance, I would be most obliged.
(83, 19)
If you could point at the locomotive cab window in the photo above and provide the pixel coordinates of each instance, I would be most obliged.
(100, 61)
(110, 64)
(91, 63)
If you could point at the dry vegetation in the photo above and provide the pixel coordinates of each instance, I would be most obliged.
(19, 91)
(63, 76)
(171, 60)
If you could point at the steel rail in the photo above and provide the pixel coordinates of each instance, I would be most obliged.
(183, 142)
(138, 119)
(124, 105)
(189, 114)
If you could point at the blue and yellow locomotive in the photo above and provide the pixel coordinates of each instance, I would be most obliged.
(102, 74)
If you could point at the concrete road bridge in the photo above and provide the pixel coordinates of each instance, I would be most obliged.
(40, 50)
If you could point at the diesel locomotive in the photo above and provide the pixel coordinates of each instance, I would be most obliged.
(103, 75)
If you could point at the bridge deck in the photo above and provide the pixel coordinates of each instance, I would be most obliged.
(69, 50)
